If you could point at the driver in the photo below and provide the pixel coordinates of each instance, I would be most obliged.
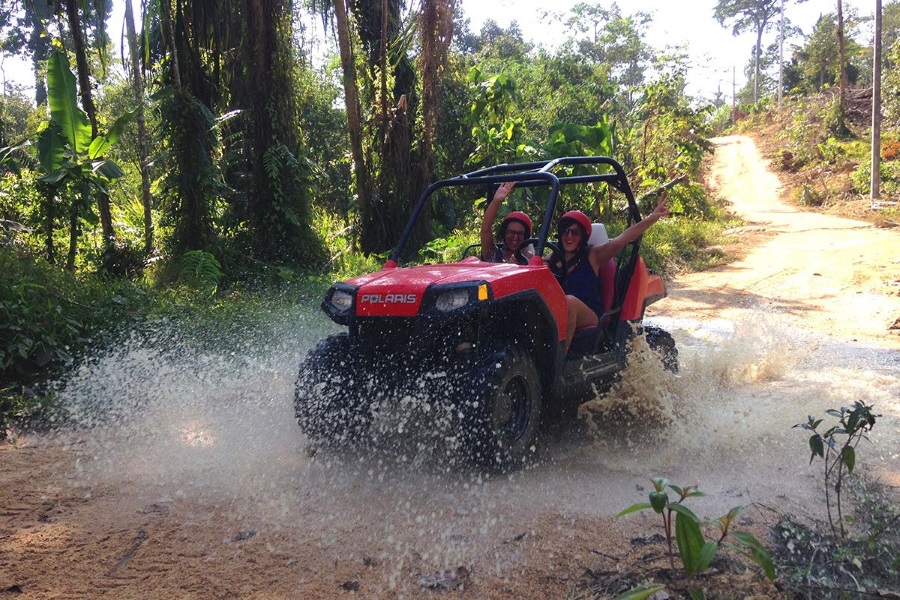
(582, 283)
(514, 229)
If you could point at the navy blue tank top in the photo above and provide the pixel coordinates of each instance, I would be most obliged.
(584, 284)
(498, 257)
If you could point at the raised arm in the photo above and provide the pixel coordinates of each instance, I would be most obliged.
(487, 225)
(611, 248)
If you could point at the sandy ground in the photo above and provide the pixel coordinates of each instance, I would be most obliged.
(204, 487)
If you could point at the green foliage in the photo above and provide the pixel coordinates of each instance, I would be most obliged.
(695, 551)
(191, 183)
(448, 249)
(497, 134)
(891, 86)
(200, 271)
(15, 112)
(889, 174)
(835, 120)
(66, 147)
(837, 447)
(666, 140)
(571, 139)
(684, 243)
(47, 318)
(831, 151)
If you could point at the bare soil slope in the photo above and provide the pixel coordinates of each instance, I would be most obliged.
(207, 492)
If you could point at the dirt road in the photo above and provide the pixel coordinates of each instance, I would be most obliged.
(826, 274)
(201, 486)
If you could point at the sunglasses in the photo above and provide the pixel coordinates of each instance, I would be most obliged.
(573, 231)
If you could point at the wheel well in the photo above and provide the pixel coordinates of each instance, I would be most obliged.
(524, 323)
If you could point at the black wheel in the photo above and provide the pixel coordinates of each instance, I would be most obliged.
(328, 397)
(508, 396)
(662, 343)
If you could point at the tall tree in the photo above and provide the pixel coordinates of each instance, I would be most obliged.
(351, 103)
(875, 179)
(80, 49)
(616, 40)
(392, 129)
(263, 88)
(143, 154)
(842, 60)
(748, 15)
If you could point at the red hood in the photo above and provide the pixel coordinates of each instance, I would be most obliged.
(398, 291)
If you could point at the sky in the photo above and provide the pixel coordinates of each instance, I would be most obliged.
(714, 53)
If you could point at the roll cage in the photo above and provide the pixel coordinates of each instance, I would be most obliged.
(541, 174)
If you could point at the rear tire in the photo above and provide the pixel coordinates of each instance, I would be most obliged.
(508, 392)
(663, 344)
(328, 398)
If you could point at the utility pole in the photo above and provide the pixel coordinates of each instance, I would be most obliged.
(781, 59)
(875, 182)
(733, 95)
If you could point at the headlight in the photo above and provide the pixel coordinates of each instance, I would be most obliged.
(452, 300)
(448, 298)
(341, 301)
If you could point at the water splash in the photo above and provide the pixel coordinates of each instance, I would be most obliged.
(206, 425)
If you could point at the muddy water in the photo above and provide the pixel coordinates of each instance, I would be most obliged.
(172, 422)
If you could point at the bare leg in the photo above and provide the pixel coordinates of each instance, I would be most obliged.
(579, 316)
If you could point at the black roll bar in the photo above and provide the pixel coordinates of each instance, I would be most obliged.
(531, 174)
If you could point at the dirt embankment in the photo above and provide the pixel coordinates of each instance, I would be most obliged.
(206, 491)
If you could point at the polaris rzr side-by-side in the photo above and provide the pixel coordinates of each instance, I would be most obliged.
(486, 339)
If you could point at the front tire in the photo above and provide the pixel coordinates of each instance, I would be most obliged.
(508, 393)
(328, 396)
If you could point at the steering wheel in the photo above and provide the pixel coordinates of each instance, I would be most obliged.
(561, 270)
(521, 258)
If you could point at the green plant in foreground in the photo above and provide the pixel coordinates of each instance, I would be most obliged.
(696, 552)
(840, 458)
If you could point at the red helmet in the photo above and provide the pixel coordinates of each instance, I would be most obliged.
(578, 217)
(519, 216)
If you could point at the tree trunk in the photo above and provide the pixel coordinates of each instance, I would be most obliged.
(49, 200)
(39, 13)
(87, 102)
(169, 37)
(138, 76)
(781, 57)
(437, 33)
(758, 52)
(842, 58)
(875, 181)
(351, 99)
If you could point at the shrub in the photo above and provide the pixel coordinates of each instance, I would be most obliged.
(890, 149)
(47, 317)
(890, 177)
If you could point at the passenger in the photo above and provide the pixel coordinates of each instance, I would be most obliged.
(514, 229)
(582, 284)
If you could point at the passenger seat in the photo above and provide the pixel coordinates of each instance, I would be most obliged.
(607, 271)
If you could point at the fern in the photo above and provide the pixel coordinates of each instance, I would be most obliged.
(200, 271)
(279, 162)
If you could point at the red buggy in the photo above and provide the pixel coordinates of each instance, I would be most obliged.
(489, 336)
